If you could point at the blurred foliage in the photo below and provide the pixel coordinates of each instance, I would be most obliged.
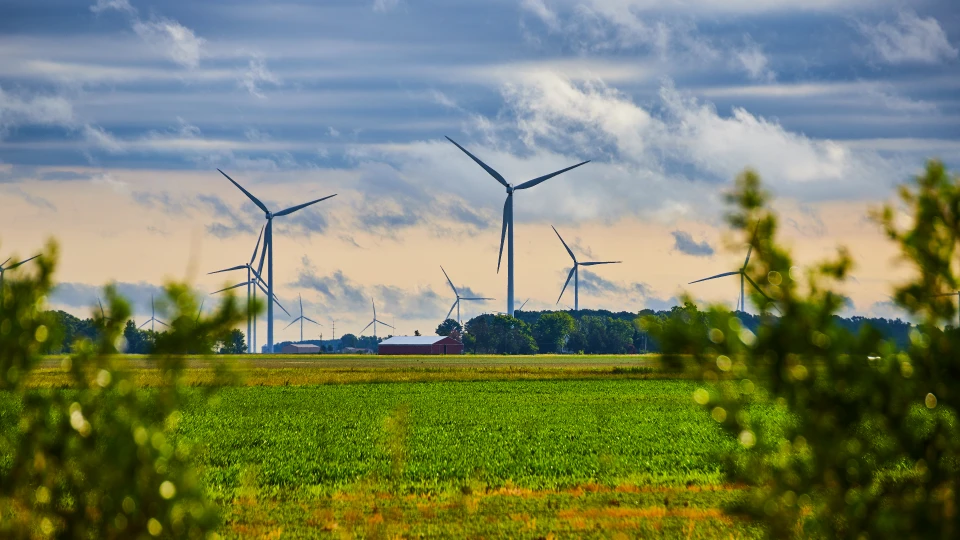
(101, 459)
(871, 447)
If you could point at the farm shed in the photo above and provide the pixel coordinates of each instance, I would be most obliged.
(300, 348)
(420, 345)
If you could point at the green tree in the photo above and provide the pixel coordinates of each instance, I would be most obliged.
(869, 444)
(448, 326)
(511, 336)
(552, 330)
(479, 335)
(348, 340)
(138, 341)
(233, 343)
(102, 460)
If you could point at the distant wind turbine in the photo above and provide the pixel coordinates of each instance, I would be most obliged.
(251, 290)
(4, 268)
(742, 272)
(575, 273)
(508, 215)
(268, 247)
(301, 318)
(456, 303)
(153, 317)
(523, 304)
(374, 322)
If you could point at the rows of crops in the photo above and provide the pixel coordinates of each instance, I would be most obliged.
(430, 436)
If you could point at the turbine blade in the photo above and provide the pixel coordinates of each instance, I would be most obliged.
(385, 324)
(12, 266)
(257, 247)
(263, 255)
(268, 296)
(451, 308)
(489, 170)
(232, 268)
(291, 323)
(360, 333)
(756, 229)
(313, 321)
(503, 230)
(714, 277)
(596, 263)
(521, 305)
(544, 178)
(300, 297)
(448, 280)
(162, 323)
(5, 262)
(293, 209)
(569, 277)
(142, 325)
(572, 256)
(757, 287)
(478, 298)
(232, 287)
(249, 195)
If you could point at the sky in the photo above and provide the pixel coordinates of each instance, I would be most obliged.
(116, 114)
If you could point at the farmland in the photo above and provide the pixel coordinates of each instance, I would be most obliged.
(458, 447)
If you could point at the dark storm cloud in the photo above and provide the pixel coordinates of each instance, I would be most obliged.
(684, 243)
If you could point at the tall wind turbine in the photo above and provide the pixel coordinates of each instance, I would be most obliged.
(153, 317)
(742, 272)
(374, 322)
(268, 247)
(575, 273)
(251, 290)
(4, 268)
(508, 214)
(456, 293)
(301, 318)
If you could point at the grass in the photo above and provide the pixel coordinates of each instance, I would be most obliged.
(457, 447)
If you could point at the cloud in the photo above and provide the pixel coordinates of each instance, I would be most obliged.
(18, 110)
(232, 222)
(106, 5)
(752, 60)
(911, 39)
(33, 200)
(176, 41)
(544, 13)
(383, 6)
(82, 295)
(256, 75)
(171, 38)
(684, 243)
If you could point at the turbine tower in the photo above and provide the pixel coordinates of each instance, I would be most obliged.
(301, 318)
(4, 268)
(374, 322)
(575, 273)
(153, 317)
(456, 304)
(251, 290)
(508, 215)
(742, 272)
(268, 247)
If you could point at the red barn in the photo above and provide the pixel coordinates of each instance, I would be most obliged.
(420, 345)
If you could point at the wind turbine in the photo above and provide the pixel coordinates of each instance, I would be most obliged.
(508, 214)
(456, 304)
(268, 247)
(251, 290)
(374, 323)
(742, 272)
(153, 317)
(523, 304)
(575, 273)
(3, 270)
(301, 318)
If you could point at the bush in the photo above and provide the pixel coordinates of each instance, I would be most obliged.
(872, 445)
(100, 460)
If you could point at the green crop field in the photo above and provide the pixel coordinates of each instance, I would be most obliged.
(596, 448)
